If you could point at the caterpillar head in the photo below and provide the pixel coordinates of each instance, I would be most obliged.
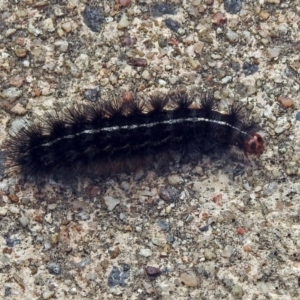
(254, 144)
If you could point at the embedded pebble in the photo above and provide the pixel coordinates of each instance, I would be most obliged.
(285, 101)
(162, 82)
(19, 109)
(198, 47)
(54, 268)
(24, 221)
(111, 202)
(137, 62)
(233, 6)
(48, 25)
(93, 18)
(271, 188)
(158, 242)
(16, 81)
(249, 69)
(232, 36)
(91, 276)
(11, 241)
(118, 277)
(92, 94)
(74, 70)
(11, 94)
(14, 209)
(145, 252)
(19, 280)
(3, 211)
(7, 291)
(189, 279)
(146, 75)
(152, 271)
(84, 262)
(169, 193)
(264, 15)
(48, 294)
(62, 45)
(172, 24)
(219, 19)
(209, 255)
(164, 226)
(21, 52)
(124, 22)
(67, 27)
(273, 52)
(174, 179)
(226, 79)
(124, 3)
(237, 291)
(160, 8)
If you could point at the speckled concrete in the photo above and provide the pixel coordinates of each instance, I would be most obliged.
(226, 228)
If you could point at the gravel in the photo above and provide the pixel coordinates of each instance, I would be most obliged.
(223, 227)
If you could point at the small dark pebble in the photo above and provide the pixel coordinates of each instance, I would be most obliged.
(93, 18)
(238, 170)
(54, 268)
(299, 281)
(7, 291)
(169, 193)
(163, 42)
(92, 94)
(204, 228)
(126, 267)
(172, 24)
(170, 239)
(116, 277)
(152, 271)
(228, 283)
(159, 9)
(164, 226)
(289, 72)
(233, 6)
(137, 62)
(235, 66)
(2, 162)
(11, 242)
(298, 116)
(201, 271)
(127, 40)
(249, 69)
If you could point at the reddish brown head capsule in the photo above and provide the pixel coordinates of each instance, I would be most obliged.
(254, 144)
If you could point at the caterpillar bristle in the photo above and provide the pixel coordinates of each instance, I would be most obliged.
(181, 100)
(113, 109)
(236, 113)
(207, 103)
(157, 102)
(135, 107)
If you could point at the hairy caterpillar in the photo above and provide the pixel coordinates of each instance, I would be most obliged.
(107, 135)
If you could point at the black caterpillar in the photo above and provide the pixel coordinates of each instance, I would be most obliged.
(117, 134)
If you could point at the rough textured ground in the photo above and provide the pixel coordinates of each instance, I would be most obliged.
(219, 230)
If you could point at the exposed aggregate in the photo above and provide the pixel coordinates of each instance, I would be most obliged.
(226, 228)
